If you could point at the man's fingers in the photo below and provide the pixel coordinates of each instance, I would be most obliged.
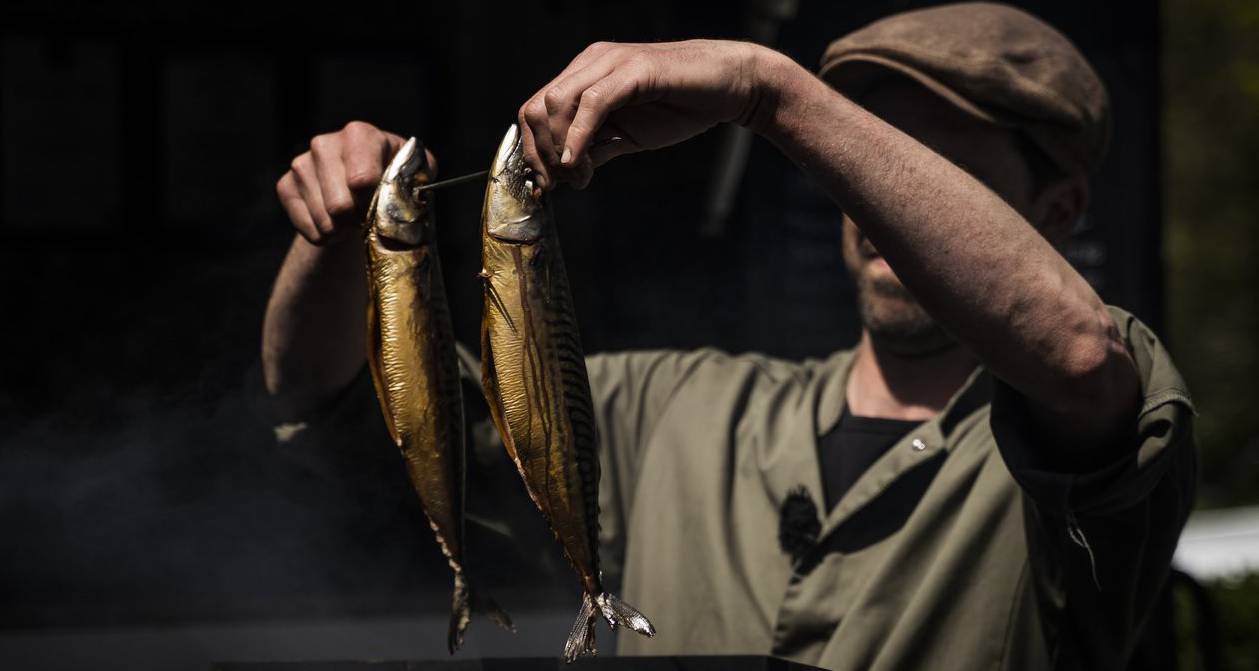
(539, 152)
(431, 165)
(563, 96)
(308, 186)
(538, 119)
(542, 150)
(327, 189)
(387, 145)
(295, 207)
(363, 158)
(326, 153)
(602, 98)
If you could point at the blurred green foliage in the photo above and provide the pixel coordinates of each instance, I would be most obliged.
(1236, 605)
(1211, 140)
(1211, 144)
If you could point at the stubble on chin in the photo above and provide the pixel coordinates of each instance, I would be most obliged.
(895, 320)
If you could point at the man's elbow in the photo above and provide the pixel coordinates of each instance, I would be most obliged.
(1100, 384)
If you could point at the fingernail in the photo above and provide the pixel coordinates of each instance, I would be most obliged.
(567, 157)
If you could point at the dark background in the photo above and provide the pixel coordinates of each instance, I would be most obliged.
(139, 233)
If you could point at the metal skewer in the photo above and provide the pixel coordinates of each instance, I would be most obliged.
(454, 181)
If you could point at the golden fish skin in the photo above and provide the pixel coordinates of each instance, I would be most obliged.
(535, 381)
(411, 354)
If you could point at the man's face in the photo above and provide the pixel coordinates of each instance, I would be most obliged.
(990, 154)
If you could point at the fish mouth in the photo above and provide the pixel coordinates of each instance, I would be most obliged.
(406, 164)
(514, 206)
(402, 214)
(510, 154)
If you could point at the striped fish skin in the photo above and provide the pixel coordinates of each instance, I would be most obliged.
(411, 354)
(535, 381)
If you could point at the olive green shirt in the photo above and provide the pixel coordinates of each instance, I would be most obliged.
(962, 547)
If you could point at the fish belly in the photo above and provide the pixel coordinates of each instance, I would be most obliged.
(412, 357)
(542, 393)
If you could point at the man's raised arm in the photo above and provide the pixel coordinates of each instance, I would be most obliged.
(973, 262)
(313, 335)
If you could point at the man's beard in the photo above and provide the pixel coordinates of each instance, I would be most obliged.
(895, 321)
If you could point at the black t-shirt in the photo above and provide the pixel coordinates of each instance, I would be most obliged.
(847, 450)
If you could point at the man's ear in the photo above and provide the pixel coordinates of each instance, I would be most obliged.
(1059, 205)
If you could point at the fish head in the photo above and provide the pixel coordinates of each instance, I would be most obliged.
(402, 212)
(514, 208)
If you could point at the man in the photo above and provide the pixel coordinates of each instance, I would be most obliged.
(994, 478)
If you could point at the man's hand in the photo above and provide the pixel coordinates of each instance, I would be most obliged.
(326, 190)
(313, 336)
(649, 95)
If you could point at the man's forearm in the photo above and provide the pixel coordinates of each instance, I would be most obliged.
(969, 258)
(313, 338)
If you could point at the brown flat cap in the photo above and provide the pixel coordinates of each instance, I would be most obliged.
(996, 62)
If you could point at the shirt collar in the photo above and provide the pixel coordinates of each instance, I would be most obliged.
(833, 392)
(788, 457)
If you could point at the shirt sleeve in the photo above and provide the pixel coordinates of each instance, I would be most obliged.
(631, 391)
(1102, 540)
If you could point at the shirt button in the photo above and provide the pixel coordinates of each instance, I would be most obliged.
(918, 445)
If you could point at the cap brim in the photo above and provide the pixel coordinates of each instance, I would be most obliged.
(855, 74)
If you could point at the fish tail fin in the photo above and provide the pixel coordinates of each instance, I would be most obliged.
(460, 613)
(581, 640)
(621, 614)
(485, 604)
(464, 602)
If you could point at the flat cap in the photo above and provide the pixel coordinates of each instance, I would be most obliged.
(993, 61)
